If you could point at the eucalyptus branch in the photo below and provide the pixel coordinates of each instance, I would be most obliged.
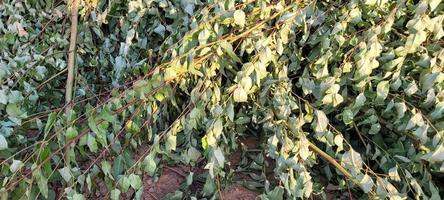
(330, 159)
(71, 56)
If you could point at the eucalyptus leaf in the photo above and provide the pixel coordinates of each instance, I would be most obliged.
(3, 142)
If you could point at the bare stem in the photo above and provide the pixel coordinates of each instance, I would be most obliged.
(330, 160)
(71, 56)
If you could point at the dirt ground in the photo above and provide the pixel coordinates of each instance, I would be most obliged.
(169, 181)
(239, 192)
(173, 176)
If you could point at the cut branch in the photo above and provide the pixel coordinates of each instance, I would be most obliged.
(330, 160)
(71, 56)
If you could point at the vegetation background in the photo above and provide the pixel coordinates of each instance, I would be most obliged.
(221, 99)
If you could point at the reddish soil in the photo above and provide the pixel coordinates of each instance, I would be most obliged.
(169, 181)
(239, 192)
(171, 178)
(247, 143)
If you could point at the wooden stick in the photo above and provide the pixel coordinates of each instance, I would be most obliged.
(71, 56)
(330, 160)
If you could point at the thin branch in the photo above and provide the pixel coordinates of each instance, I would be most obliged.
(359, 134)
(71, 56)
(330, 160)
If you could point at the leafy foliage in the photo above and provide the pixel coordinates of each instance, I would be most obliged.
(340, 94)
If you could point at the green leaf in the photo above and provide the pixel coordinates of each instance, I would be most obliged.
(42, 182)
(115, 194)
(135, 181)
(132, 127)
(219, 155)
(3, 142)
(40, 72)
(98, 129)
(78, 196)
(239, 18)
(415, 120)
(436, 156)
(71, 133)
(160, 29)
(229, 50)
(209, 186)
(203, 36)
(118, 166)
(120, 65)
(421, 133)
(150, 164)
(177, 195)
(360, 100)
(239, 95)
(352, 160)
(16, 164)
(13, 110)
(347, 116)
(428, 80)
(276, 194)
(190, 178)
(230, 111)
(3, 97)
(171, 142)
(65, 172)
(193, 154)
(124, 183)
(107, 115)
(15, 97)
(106, 169)
(374, 129)
(50, 123)
(366, 183)
(382, 90)
(411, 89)
(92, 144)
(438, 111)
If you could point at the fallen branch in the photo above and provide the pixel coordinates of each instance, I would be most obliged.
(330, 160)
(71, 56)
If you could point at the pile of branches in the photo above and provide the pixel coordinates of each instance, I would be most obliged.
(342, 96)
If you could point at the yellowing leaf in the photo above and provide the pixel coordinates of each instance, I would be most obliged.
(382, 90)
(433, 4)
(414, 41)
(170, 74)
(239, 18)
(239, 95)
(246, 83)
(321, 121)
